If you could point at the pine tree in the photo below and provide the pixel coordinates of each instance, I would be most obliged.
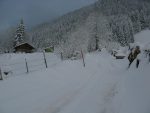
(20, 34)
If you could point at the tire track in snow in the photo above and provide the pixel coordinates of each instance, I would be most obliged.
(107, 105)
(96, 95)
(66, 99)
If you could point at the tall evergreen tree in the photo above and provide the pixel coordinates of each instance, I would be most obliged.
(20, 34)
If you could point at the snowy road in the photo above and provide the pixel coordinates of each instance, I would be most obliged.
(103, 86)
(65, 88)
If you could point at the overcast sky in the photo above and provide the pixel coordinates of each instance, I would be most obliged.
(35, 11)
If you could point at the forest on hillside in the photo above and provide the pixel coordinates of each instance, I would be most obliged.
(104, 24)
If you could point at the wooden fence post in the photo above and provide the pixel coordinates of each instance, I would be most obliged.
(45, 61)
(82, 58)
(149, 56)
(27, 66)
(1, 77)
(61, 55)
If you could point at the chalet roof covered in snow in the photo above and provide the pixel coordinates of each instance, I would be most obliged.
(24, 47)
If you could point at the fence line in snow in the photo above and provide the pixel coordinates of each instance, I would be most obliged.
(26, 66)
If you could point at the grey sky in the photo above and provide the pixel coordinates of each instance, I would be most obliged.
(36, 11)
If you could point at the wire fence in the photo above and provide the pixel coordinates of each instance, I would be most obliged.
(27, 65)
(22, 65)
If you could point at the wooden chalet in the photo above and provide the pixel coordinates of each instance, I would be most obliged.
(24, 48)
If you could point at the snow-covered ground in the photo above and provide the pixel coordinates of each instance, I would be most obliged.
(104, 85)
(16, 65)
(143, 37)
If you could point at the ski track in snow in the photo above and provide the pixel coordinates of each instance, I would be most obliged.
(66, 99)
(106, 95)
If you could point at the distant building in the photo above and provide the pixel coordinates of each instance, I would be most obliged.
(49, 49)
(20, 42)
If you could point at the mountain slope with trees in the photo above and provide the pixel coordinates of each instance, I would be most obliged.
(105, 23)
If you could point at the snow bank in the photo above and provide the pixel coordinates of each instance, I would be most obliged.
(133, 90)
(143, 37)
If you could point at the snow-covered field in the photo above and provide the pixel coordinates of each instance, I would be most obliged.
(16, 65)
(104, 85)
(143, 37)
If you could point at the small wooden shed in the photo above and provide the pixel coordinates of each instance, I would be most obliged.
(49, 49)
(24, 48)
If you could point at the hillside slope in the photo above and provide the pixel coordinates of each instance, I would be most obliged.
(106, 24)
(100, 24)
